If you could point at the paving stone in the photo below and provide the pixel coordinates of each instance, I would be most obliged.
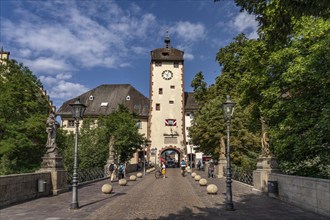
(174, 197)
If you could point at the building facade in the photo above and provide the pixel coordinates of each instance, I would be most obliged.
(162, 119)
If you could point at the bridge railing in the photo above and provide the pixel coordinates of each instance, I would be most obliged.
(87, 175)
(241, 175)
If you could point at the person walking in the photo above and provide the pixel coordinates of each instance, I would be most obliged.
(113, 171)
(164, 170)
(121, 171)
(183, 165)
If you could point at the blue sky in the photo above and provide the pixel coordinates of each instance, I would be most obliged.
(74, 46)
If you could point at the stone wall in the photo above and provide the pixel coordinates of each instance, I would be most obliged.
(309, 193)
(22, 187)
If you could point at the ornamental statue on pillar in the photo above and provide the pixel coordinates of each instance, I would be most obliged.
(222, 158)
(52, 161)
(266, 162)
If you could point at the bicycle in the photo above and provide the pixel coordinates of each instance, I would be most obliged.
(183, 171)
(158, 174)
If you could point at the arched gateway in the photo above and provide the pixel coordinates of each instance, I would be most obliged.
(171, 155)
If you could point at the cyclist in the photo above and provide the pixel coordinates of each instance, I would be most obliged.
(183, 165)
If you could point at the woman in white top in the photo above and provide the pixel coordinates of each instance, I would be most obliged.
(164, 170)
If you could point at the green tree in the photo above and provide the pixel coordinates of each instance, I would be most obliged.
(122, 126)
(23, 113)
(94, 138)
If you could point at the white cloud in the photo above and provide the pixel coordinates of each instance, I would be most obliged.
(47, 65)
(78, 34)
(189, 31)
(66, 90)
(245, 23)
(188, 56)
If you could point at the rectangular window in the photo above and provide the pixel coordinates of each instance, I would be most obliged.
(138, 124)
(170, 140)
(176, 65)
(171, 102)
(172, 87)
(160, 91)
(158, 63)
(157, 107)
(70, 123)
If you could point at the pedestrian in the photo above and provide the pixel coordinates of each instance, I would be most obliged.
(113, 171)
(211, 170)
(164, 170)
(121, 171)
(199, 164)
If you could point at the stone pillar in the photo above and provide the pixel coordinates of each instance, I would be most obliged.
(54, 165)
(266, 163)
(265, 166)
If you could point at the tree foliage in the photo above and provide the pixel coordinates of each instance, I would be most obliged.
(284, 77)
(23, 113)
(94, 138)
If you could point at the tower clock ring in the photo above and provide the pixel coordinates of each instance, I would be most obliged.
(167, 74)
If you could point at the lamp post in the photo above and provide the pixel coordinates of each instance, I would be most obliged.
(228, 111)
(78, 110)
(146, 143)
(191, 157)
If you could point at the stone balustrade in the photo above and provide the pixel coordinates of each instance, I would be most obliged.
(22, 187)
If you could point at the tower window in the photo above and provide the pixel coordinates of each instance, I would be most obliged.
(176, 65)
(171, 102)
(157, 107)
(172, 87)
(158, 63)
(160, 91)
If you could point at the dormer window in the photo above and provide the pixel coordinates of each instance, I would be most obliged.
(128, 98)
(104, 104)
(91, 98)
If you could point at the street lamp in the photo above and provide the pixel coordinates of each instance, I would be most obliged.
(144, 156)
(228, 111)
(78, 110)
(191, 157)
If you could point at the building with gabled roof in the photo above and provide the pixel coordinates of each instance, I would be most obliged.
(164, 118)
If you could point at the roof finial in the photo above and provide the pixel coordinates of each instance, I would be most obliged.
(167, 40)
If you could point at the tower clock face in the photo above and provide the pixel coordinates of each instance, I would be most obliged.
(167, 75)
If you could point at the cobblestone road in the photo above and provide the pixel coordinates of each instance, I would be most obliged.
(175, 197)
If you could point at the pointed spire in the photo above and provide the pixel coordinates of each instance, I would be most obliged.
(167, 41)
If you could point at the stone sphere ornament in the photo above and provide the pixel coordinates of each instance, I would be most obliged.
(107, 188)
(197, 177)
(193, 175)
(122, 182)
(139, 175)
(212, 189)
(202, 182)
(132, 178)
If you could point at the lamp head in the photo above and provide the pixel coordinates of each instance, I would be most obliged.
(78, 109)
(228, 108)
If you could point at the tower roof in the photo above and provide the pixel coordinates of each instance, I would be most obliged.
(167, 53)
